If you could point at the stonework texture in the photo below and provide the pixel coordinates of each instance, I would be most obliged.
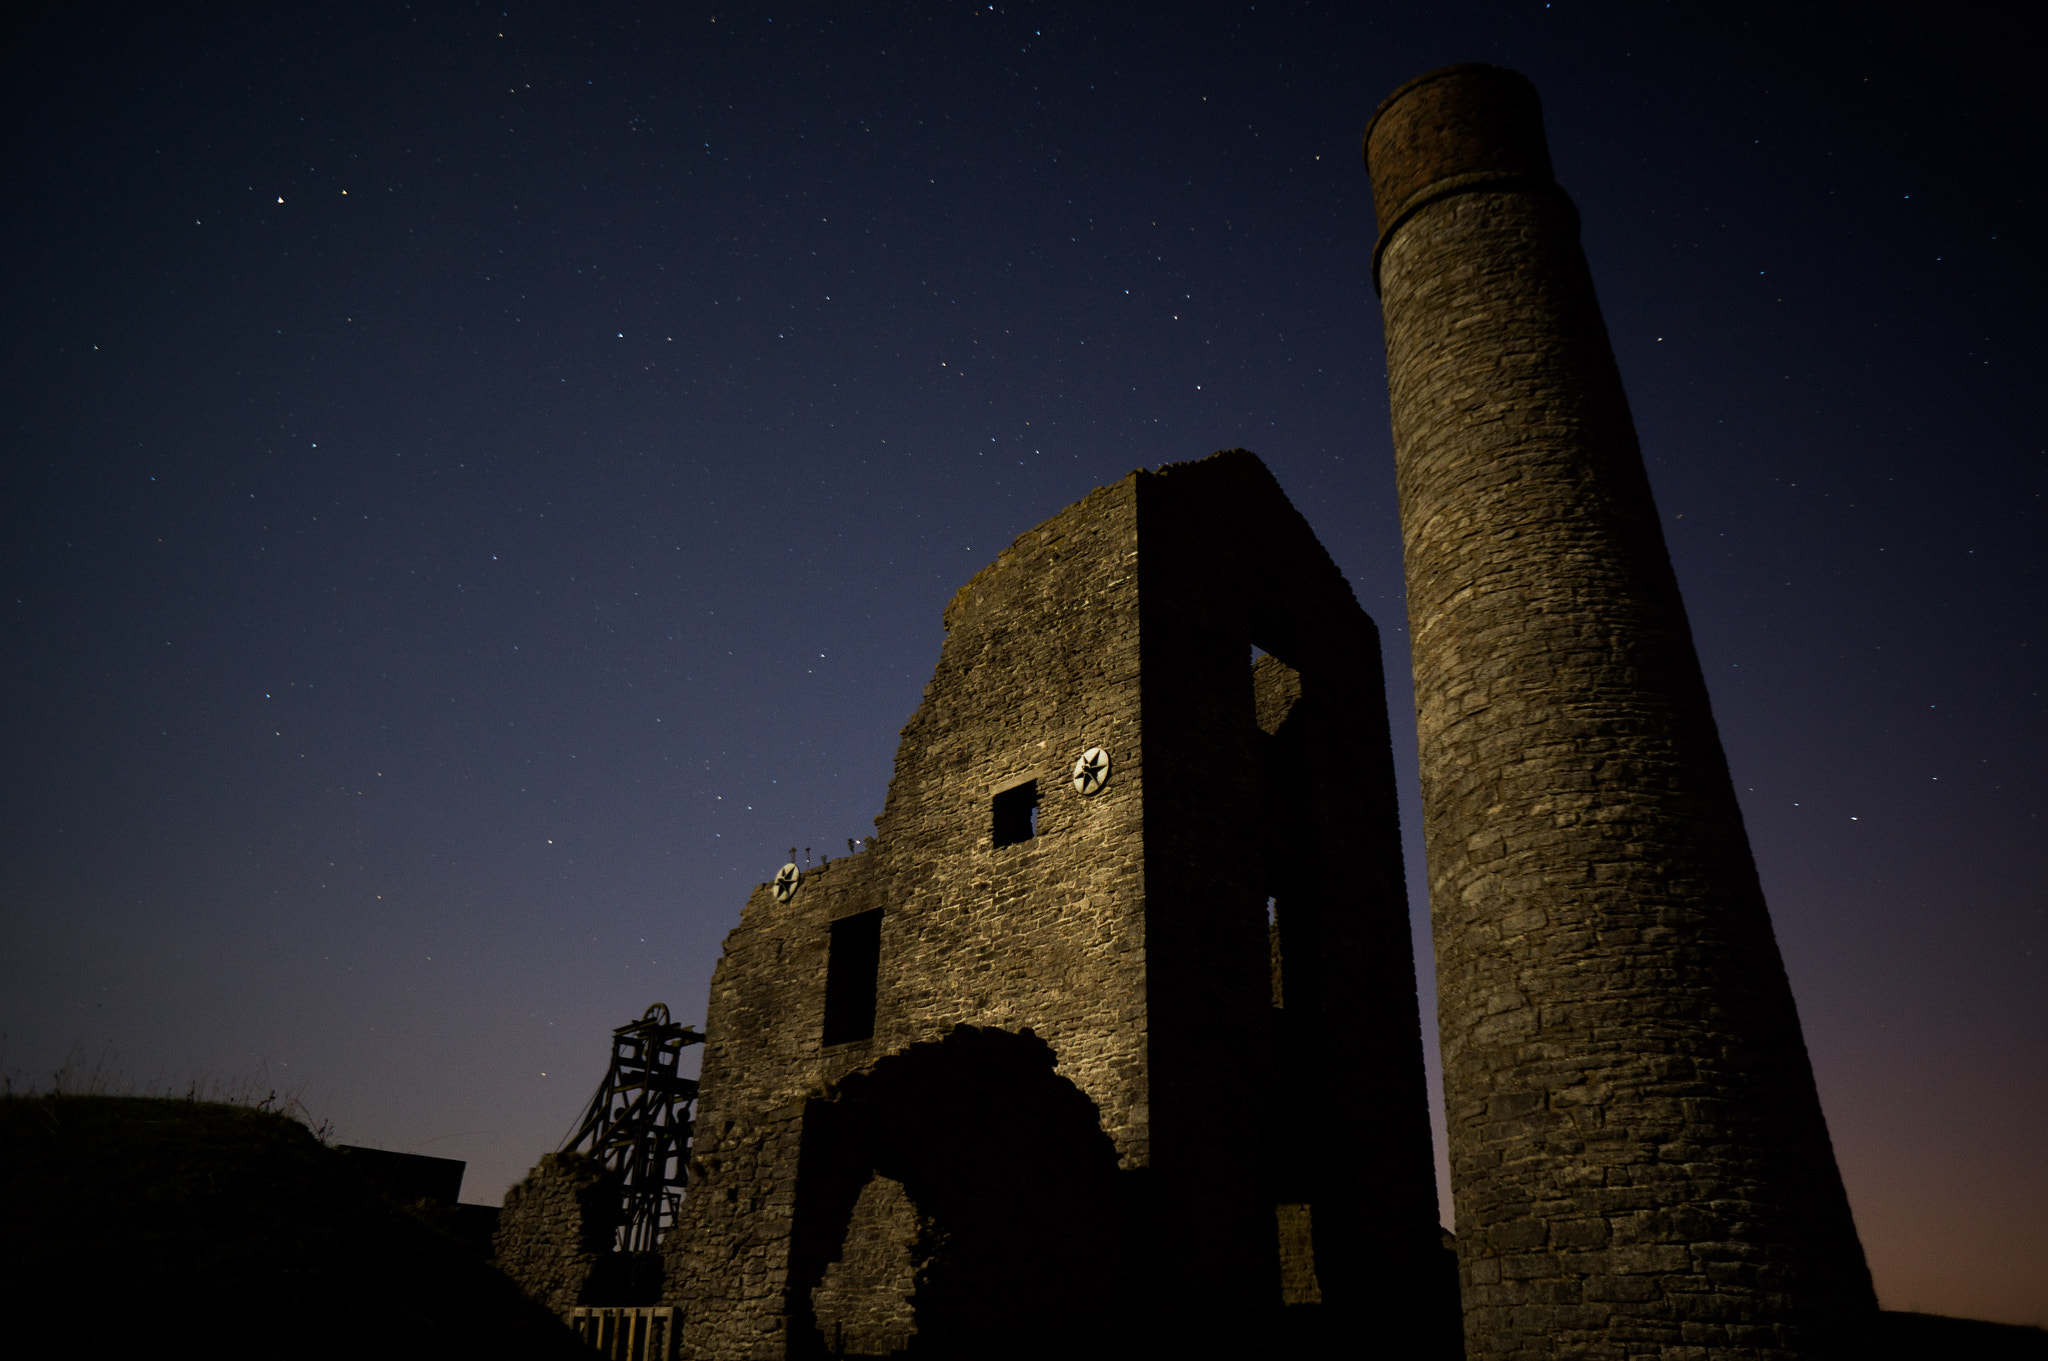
(866, 1303)
(555, 1235)
(1079, 1110)
(1638, 1155)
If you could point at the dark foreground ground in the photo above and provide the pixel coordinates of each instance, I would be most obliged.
(188, 1227)
(1930, 1337)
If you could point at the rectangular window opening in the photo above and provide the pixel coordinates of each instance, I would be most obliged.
(1016, 814)
(851, 972)
(1273, 949)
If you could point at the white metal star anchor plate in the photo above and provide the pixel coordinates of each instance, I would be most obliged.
(1091, 772)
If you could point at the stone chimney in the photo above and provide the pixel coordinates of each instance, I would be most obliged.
(1638, 1154)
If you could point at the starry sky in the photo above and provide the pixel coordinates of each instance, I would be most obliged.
(480, 483)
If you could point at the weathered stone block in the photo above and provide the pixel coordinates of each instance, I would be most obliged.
(1640, 1258)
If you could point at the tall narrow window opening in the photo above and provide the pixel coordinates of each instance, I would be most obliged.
(850, 977)
(1273, 948)
(1016, 814)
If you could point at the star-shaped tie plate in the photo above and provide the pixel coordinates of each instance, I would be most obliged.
(1091, 772)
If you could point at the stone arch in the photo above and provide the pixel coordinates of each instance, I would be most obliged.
(1001, 1170)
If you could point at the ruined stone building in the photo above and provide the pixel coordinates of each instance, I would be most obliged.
(1109, 1039)
(1108, 1042)
(1638, 1157)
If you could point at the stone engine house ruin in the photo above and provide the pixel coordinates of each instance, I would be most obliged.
(1108, 1043)
(1110, 1037)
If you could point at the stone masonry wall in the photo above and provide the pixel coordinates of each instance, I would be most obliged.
(1638, 1155)
(1107, 980)
(1327, 1092)
(1040, 663)
(556, 1231)
(863, 1306)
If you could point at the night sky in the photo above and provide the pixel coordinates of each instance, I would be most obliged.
(481, 484)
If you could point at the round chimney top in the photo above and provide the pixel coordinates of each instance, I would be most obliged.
(1469, 122)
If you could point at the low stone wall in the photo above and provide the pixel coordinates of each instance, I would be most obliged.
(555, 1234)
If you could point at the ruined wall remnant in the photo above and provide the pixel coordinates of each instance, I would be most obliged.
(555, 1237)
(1013, 1080)
(1637, 1150)
(865, 1304)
